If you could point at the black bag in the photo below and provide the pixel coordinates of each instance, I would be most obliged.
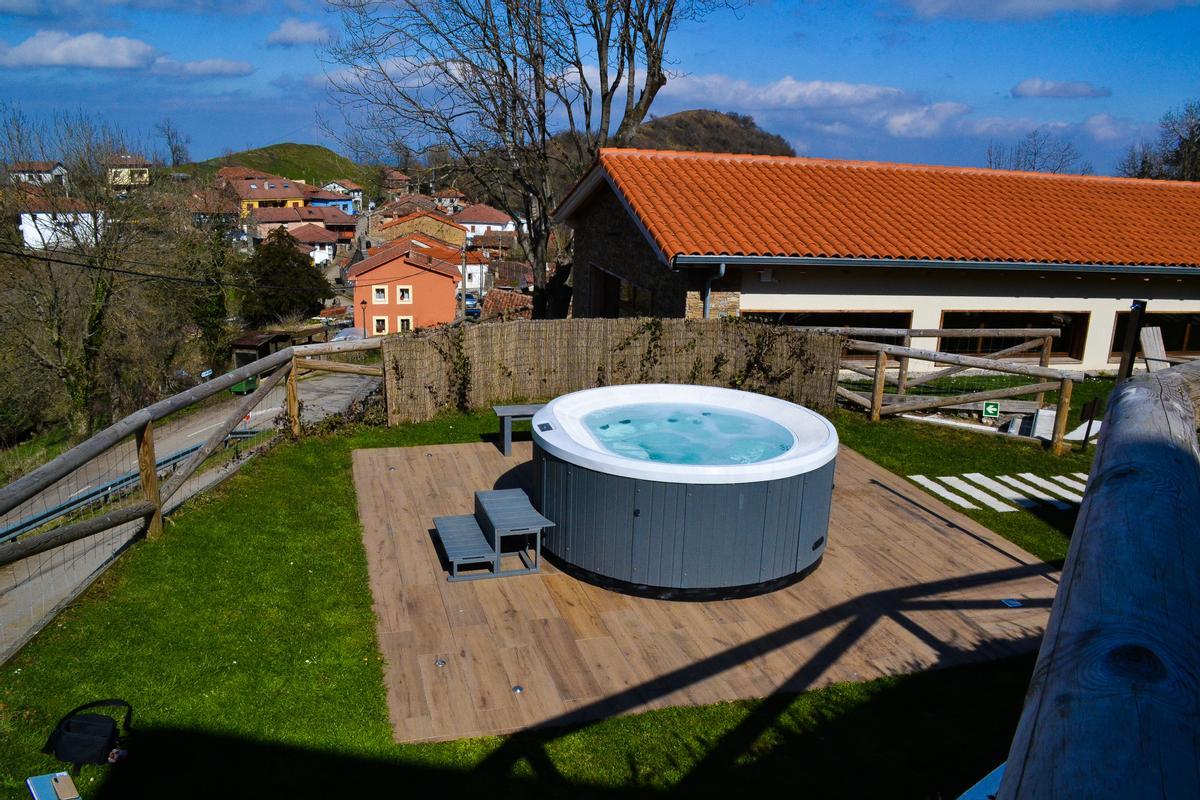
(88, 738)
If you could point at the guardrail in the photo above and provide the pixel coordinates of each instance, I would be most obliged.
(1114, 706)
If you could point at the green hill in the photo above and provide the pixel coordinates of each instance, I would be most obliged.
(310, 163)
(710, 132)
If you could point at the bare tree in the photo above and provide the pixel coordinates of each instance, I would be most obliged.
(522, 93)
(95, 286)
(175, 140)
(1038, 151)
(1176, 155)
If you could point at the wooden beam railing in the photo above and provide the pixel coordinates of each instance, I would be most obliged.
(1114, 704)
(878, 406)
(140, 426)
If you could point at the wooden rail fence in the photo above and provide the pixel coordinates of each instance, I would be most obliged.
(283, 365)
(1113, 709)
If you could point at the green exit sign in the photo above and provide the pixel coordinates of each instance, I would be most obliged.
(991, 409)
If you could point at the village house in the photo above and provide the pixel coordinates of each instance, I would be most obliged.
(128, 171)
(350, 188)
(268, 192)
(320, 243)
(398, 290)
(402, 206)
(213, 207)
(38, 173)
(264, 220)
(821, 242)
(427, 222)
(396, 184)
(48, 221)
(480, 219)
(327, 197)
(450, 200)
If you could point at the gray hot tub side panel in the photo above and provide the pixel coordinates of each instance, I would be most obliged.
(682, 535)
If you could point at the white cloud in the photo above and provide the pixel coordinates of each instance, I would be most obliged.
(293, 31)
(1039, 87)
(98, 51)
(1106, 129)
(1033, 9)
(206, 68)
(90, 50)
(925, 121)
(787, 92)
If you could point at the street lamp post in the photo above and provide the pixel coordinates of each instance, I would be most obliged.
(364, 312)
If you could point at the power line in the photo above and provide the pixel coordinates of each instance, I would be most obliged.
(172, 278)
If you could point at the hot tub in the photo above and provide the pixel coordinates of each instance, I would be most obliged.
(683, 492)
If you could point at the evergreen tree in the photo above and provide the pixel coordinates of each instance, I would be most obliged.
(282, 281)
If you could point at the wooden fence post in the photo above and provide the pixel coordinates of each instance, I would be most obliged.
(293, 400)
(1044, 361)
(148, 469)
(902, 376)
(1057, 443)
(877, 389)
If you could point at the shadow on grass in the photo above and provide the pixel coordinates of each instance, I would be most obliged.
(927, 735)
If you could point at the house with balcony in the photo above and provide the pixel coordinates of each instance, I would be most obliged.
(268, 192)
(821, 242)
(128, 171)
(347, 187)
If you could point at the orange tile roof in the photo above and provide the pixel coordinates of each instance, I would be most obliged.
(717, 204)
(388, 255)
(415, 214)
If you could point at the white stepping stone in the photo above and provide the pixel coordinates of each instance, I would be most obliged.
(1081, 475)
(1070, 483)
(1050, 487)
(975, 493)
(942, 491)
(1033, 491)
(995, 487)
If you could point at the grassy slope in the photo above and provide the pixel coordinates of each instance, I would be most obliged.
(307, 162)
(245, 640)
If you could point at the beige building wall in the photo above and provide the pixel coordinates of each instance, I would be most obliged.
(928, 293)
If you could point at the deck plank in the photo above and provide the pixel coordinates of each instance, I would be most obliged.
(907, 583)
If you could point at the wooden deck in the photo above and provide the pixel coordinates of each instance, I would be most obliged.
(907, 583)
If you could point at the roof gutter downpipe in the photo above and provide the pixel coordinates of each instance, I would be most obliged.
(708, 282)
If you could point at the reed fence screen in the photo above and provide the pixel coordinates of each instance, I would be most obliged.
(476, 366)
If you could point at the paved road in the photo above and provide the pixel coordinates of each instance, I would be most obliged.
(321, 394)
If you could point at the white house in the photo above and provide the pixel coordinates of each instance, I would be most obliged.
(344, 186)
(48, 222)
(480, 219)
(38, 173)
(320, 243)
(849, 243)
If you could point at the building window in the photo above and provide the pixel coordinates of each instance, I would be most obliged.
(841, 319)
(403, 294)
(380, 325)
(404, 324)
(378, 294)
(1180, 332)
(1068, 344)
(613, 296)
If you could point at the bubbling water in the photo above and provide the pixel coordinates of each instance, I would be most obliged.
(688, 433)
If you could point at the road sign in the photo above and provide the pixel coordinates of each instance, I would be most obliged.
(991, 409)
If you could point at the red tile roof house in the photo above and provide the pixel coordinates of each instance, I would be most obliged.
(264, 220)
(822, 242)
(344, 186)
(38, 173)
(48, 220)
(320, 243)
(402, 290)
(480, 219)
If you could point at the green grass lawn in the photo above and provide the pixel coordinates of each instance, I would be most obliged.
(244, 638)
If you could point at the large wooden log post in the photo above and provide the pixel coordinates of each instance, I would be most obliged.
(902, 375)
(1113, 710)
(148, 470)
(1044, 361)
(293, 400)
(1057, 441)
(877, 388)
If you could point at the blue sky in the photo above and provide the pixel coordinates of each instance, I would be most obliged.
(904, 80)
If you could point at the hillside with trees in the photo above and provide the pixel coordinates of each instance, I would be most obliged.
(709, 131)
